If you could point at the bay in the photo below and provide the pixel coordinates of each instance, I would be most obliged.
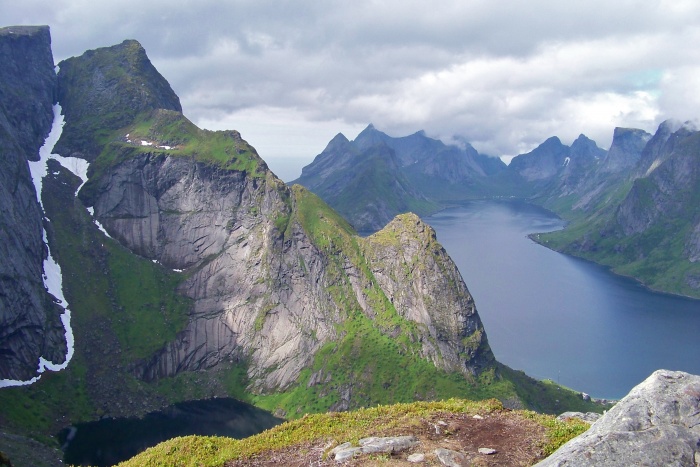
(558, 317)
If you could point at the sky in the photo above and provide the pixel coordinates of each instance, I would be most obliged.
(502, 74)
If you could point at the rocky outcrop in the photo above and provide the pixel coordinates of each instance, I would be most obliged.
(657, 423)
(425, 287)
(29, 320)
(625, 150)
(104, 90)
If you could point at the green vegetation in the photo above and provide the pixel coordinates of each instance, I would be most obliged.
(150, 313)
(171, 134)
(346, 426)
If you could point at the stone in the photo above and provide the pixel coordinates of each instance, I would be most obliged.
(585, 396)
(346, 454)
(388, 444)
(373, 445)
(450, 458)
(487, 451)
(416, 458)
(589, 417)
(657, 423)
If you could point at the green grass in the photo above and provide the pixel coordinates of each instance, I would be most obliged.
(150, 312)
(338, 427)
(223, 149)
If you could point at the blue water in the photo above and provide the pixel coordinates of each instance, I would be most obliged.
(558, 317)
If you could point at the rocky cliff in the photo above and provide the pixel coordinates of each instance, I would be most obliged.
(29, 321)
(104, 90)
(261, 284)
(263, 277)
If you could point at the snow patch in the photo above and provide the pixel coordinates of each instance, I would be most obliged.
(566, 161)
(653, 167)
(146, 143)
(52, 277)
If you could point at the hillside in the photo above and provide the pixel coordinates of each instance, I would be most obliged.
(643, 222)
(434, 430)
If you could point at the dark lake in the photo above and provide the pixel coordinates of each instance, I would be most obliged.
(563, 318)
(109, 441)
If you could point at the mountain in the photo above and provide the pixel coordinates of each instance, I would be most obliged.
(373, 178)
(193, 272)
(364, 183)
(644, 222)
(30, 325)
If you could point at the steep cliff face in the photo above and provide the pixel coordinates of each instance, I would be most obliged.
(425, 287)
(259, 284)
(29, 320)
(625, 150)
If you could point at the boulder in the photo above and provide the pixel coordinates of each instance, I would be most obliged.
(657, 423)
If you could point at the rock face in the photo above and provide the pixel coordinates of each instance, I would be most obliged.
(272, 272)
(414, 271)
(625, 150)
(260, 287)
(657, 423)
(29, 321)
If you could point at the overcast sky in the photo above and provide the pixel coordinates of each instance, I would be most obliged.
(504, 75)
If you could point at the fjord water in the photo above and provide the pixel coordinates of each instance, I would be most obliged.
(558, 317)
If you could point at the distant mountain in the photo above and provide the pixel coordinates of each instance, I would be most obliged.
(376, 176)
(364, 183)
(643, 219)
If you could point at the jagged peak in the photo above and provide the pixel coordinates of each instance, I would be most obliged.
(339, 139)
(403, 227)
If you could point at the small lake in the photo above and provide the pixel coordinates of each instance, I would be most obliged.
(110, 441)
(563, 318)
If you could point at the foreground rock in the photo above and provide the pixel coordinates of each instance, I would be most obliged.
(657, 423)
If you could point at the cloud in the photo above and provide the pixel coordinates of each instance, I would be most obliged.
(504, 75)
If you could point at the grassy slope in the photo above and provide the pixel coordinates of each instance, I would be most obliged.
(329, 428)
(654, 257)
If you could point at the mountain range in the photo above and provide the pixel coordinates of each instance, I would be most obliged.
(632, 207)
